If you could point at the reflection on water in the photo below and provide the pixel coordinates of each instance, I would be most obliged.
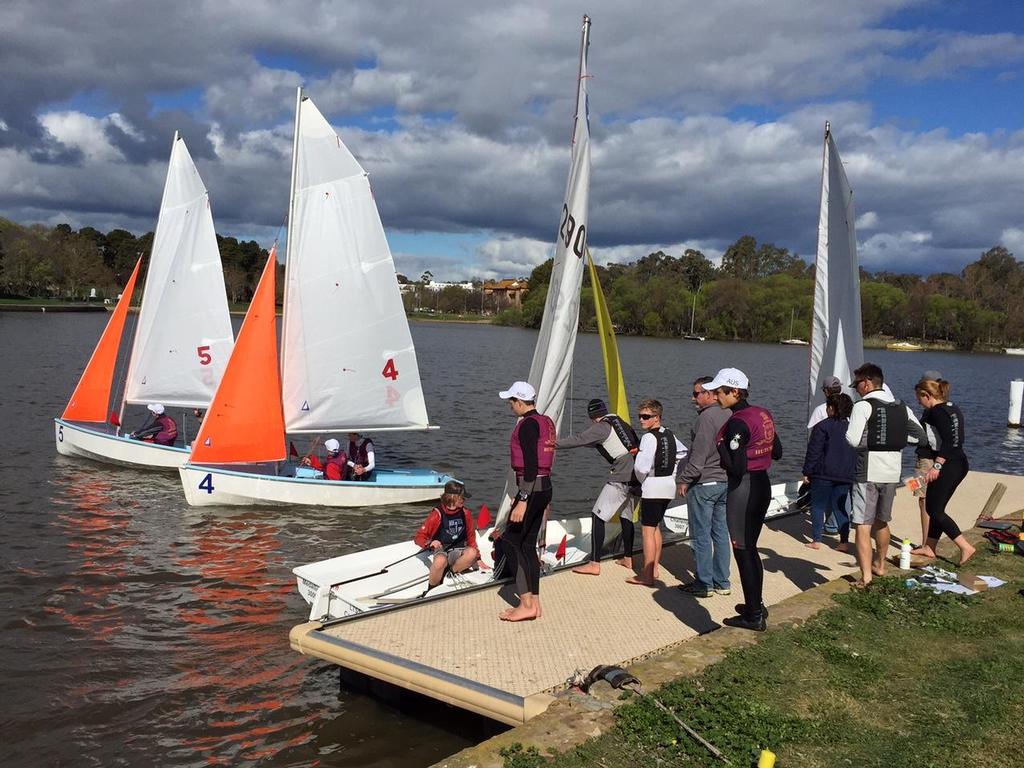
(137, 630)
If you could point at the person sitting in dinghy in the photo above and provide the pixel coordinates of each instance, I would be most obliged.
(335, 466)
(449, 533)
(360, 457)
(159, 429)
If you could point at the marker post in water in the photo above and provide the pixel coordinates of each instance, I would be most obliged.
(1016, 399)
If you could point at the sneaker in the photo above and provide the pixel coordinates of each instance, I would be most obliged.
(742, 622)
(741, 607)
(695, 589)
(723, 591)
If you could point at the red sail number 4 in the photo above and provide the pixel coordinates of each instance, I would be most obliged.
(390, 372)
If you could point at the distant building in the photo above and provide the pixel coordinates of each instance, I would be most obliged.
(506, 293)
(439, 285)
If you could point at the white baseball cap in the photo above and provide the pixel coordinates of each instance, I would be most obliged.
(332, 445)
(156, 408)
(729, 377)
(520, 390)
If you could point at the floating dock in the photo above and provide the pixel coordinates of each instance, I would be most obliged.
(456, 650)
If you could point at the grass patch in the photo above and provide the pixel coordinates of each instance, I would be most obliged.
(889, 676)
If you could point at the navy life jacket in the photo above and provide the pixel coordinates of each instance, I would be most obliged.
(887, 426)
(665, 454)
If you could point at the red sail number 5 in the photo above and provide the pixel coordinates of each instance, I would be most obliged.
(204, 355)
(390, 372)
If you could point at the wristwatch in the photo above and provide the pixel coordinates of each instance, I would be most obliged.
(936, 466)
(522, 496)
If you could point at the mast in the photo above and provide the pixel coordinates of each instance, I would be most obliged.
(291, 221)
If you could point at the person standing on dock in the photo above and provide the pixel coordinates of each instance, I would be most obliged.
(449, 533)
(617, 443)
(944, 426)
(880, 428)
(747, 445)
(532, 454)
(656, 463)
(702, 482)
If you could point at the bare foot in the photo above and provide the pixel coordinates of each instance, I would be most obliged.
(861, 584)
(878, 570)
(923, 551)
(813, 545)
(519, 614)
(842, 546)
(625, 562)
(657, 574)
(505, 613)
(641, 582)
(966, 554)
(590, 569)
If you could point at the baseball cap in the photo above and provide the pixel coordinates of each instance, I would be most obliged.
(728, 377)
(596, 408)
(156, 408)
(457, 488)
(520, 390)
(931, 376)
(332, 445)
(831, 382)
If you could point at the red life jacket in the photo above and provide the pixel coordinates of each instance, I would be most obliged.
(545, 445)
(340, 463)
(357, 452)
(761, 426)
(168, 430)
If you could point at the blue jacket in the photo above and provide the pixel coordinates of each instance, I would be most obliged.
(829, 456)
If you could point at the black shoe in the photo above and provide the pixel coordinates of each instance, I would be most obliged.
(756, 624)
(741, 609)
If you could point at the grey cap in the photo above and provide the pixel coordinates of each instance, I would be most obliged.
(931, 376)
(831, 382)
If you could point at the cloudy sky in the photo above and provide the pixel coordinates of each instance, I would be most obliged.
(706, 118)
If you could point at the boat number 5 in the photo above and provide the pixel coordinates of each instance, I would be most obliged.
(566, 232)
(390, 372)
(206, 484)
(204, 354)
(60, 434)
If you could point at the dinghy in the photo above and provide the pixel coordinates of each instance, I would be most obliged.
(183, 336)
(348, 363)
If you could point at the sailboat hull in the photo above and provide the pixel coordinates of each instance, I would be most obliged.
(214, 486)
(90, 442)
(380, 577)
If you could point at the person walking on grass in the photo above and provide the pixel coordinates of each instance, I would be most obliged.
(702, 482)
(879, 429)
(829, 467)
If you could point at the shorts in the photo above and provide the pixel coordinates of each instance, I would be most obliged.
(921, 468)
(872, 502)
(614, 498)
(454, 555)
(652, 511)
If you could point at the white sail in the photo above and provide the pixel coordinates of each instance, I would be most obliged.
(183, 338)
(348, 361)
(837, 342)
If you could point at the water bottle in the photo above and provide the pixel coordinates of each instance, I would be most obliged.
(905, 555)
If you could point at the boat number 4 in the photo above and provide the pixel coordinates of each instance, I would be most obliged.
(390, 372)
(204, 354)
(206, 484)
(566, 233)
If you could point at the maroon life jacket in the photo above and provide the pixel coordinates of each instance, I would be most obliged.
(762, 436)
(545, 445)
(357, 452)
(168, 430)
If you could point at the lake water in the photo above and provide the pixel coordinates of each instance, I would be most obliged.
(139, 631)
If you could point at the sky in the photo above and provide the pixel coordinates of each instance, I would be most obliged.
(706, 119)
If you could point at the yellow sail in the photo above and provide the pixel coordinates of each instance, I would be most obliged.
(617, 400)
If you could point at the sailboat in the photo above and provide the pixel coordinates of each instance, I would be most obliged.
(183, 336)
(362, 581)
(791, 340)
(691, 336)
(336, 375)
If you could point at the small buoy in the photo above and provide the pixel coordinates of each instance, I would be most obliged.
(44, 309)
(1016, 399)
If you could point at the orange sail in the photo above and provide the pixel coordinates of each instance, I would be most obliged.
(92, 395)
(245, 422)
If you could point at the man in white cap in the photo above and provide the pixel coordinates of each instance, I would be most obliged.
(335, 466)
(159, 429)
(532, 452)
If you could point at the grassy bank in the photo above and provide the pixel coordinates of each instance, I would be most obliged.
(887, 677)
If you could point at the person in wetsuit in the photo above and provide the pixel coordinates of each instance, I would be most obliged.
(617, 443)
(532, 452)
(943, 423)
(747, 445)
(449, 533)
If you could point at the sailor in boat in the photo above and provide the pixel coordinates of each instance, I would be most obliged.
(655, 465)
(335, 466)
(159, 429)
(880, 428)
(532, 454)
(617, 443)
(449, 533)
(360, 457)
(702, 482)
(747, 445)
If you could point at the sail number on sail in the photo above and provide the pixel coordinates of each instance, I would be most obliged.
(579, 245)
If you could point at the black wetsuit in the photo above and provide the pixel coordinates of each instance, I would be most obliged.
(522, 537)
(746, 505)
(628, 533)
(945, 424)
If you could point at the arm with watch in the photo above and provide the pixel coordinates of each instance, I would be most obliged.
(529, 436)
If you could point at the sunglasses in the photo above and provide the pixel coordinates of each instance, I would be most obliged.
(646, 416)
(698, 392)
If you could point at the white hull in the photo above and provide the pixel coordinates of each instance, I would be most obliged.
(213, 486)
(795, 342)
(1015, 351)
(320, 583)
(88, 443)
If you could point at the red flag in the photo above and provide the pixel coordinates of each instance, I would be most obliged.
(560, 554)
(484, 518)
(292, 450)
(114, 419)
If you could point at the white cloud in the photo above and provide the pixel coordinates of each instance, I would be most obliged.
(82, 132)
(1013, 239)
(867, 220)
